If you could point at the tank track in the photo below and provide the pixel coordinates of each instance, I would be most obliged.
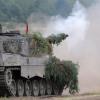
(5, 89)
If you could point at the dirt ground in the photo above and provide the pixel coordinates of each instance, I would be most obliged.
(83, 97)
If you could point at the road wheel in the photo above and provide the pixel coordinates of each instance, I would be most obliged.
(13, 88)
(42, 87)
(28, 88)
(35, 87)
(49, 88)
(20, 88)
(8, 76)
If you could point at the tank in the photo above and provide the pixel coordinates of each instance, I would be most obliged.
(21, 73)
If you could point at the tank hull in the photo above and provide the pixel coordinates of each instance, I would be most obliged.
(21, 76)
(30, 66)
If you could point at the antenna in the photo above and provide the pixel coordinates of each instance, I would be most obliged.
(26, 30)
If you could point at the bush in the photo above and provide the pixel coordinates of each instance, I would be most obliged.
(38, 45)
(62, 73)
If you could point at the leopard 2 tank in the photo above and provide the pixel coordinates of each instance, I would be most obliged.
(20, 73)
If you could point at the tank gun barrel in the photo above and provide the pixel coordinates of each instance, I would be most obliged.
(67, 35)
(57, 39)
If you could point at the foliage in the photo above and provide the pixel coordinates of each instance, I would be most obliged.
(62, 73)
(38, 45)
(72, 74)
(57, 39)
(42, 45)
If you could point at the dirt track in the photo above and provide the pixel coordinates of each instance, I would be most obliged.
(86, 97)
